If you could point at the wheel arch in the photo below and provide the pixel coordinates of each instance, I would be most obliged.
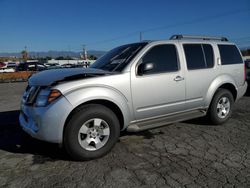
(107, 97)
(112, 106)
(231, 88)
(225, 82)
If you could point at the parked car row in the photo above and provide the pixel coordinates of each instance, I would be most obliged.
(37, 66)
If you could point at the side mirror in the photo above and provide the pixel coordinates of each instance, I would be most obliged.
(145, 67)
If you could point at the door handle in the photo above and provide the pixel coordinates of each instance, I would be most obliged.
(178, 78)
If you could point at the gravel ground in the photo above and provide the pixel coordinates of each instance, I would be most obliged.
(187, 154)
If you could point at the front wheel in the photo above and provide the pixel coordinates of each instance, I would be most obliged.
(221, 107)
(91, 132)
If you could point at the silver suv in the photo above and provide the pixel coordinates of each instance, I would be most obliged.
(134, 87)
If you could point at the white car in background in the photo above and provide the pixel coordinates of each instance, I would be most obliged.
(7, 70)
(10, 67)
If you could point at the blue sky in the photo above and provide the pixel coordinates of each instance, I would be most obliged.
(44, 25)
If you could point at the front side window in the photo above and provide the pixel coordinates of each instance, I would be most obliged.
(199, 56)
(163, 57)
(229, 55)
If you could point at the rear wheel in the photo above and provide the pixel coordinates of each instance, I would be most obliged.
(91, 132)
(221, 107)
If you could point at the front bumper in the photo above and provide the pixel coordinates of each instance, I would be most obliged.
(46, 123)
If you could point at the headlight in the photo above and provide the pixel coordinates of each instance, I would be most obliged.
(46, 96)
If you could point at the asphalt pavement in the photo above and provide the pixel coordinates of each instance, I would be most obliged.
(186, 154)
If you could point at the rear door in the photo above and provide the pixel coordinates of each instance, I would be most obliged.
(201, 70)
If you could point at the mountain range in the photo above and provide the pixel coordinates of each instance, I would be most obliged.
(53, 54)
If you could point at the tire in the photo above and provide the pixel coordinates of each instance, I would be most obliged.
(91, 132)
(218, 114)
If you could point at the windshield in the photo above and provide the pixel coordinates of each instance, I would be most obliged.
(117, 59)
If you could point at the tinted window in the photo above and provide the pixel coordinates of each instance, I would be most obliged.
(194, 56)
(229, 54)
(209, 55)
(164, 58)
(199, 56)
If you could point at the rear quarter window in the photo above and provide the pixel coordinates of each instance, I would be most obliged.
(229, 55)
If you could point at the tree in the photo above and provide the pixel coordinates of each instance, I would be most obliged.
(68, 58)
(48, 58)
(64, 58)
(59, 58)
(24, 55)
(246, 52)
(92, 57)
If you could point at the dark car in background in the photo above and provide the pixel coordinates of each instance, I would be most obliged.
(31, 66)
(247, 64)
(11, 65)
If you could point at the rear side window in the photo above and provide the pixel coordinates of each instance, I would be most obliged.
(164, 58)
(229, 54)
(199, 56)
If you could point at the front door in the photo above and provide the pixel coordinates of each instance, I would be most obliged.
(161, 89)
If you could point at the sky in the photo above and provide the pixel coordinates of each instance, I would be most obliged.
(44, 25)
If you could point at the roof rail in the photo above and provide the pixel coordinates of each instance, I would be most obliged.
(179, 37)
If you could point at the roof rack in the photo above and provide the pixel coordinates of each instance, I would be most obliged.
(179, 37)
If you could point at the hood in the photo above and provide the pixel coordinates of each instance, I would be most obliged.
(54, 76)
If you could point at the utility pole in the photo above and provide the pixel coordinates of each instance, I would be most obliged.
(140, 36)
(68, 53)
(83, 50)
(25, 54)
(85, 55)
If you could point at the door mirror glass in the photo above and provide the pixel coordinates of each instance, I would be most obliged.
(145, 67)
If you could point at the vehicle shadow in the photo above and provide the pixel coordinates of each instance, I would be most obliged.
(147, 134)
(202, 121)
(13, 139)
